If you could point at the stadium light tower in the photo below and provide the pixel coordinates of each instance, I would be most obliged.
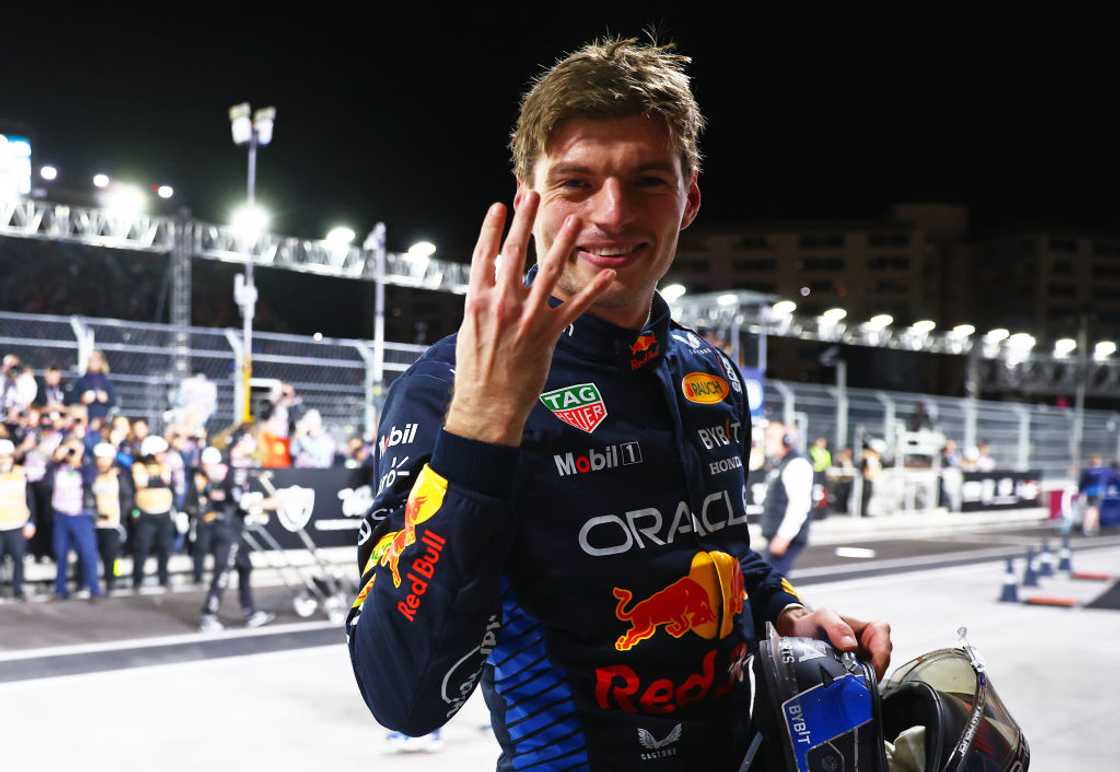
(254, 132)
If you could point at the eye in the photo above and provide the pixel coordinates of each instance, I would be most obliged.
(651, 182)
(573, 184)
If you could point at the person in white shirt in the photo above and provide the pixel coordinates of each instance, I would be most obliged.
(789, 497)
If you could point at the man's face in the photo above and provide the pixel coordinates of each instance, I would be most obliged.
(140, 429)
(774, 446)
(623, 179)
(52, 377)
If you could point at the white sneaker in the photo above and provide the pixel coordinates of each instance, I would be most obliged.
(210, 624)
(402, 743)
(82, 595)
(259, 618)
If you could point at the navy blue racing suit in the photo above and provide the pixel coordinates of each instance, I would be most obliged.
(598, 580)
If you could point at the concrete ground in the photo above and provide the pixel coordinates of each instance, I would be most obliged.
(283, 698)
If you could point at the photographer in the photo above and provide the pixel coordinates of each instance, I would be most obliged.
(73, 522)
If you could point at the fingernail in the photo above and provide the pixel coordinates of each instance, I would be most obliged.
(493, 210)
(848, 640)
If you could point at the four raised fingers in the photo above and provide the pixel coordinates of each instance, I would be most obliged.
(486, 249)
(512, 266)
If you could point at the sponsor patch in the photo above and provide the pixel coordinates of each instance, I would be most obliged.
(644, 350)
(580, 406)
(424, 501)
(704, 388)
(623, 454)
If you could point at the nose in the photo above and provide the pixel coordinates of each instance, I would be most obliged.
(610, 207)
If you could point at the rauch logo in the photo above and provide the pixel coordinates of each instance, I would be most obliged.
(704, 388)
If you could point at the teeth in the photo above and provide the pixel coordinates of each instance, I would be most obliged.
(612, 252)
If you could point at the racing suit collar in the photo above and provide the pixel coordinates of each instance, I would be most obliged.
(600, 340)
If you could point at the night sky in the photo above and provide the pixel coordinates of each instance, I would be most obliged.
(403, 116)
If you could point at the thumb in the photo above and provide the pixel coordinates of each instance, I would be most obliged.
(840, 633)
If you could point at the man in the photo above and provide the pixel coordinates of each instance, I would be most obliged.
(569, 526)
(821, 457)
(51, 394)
(789, 497)
(218, 493)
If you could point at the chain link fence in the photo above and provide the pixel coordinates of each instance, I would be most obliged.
(338, 378)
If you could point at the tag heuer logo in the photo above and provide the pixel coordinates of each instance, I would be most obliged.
(580, 406)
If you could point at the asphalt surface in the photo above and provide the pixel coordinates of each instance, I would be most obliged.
(42, 638)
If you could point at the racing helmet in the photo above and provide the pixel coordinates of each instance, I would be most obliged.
(820, 710)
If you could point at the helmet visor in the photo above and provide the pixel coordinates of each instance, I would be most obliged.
(985, 737)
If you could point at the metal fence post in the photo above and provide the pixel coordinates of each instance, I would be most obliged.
(788, 403)
(239, 385)
(84, 336)
(841, 404)
(1024, 460)
(969, 422)
(889, 419)
(369, 418)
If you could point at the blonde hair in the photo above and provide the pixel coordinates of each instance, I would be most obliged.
(610, 78)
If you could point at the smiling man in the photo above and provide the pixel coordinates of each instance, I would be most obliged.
(561, 494)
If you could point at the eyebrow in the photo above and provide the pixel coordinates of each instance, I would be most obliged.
(562, 169)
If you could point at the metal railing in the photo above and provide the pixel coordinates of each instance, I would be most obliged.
(337, 377)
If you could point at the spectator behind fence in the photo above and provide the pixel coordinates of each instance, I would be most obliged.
(154, 499)
(358, 453)
(196, 402)
(51, 393)
(138, 432)
(283, 410)
(984, 460)
(73, 519)
(844, 473)
(819, 455)
(17, 514)
(312, 447)
(921, 419)
(112, 496)
(17, 386)
(1092, 485)
(94, 389)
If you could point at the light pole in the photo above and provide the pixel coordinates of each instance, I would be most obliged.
(255, 133)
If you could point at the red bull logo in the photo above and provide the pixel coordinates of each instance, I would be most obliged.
(619, 687)
(424, 501)
(714, 581)
(644, 349)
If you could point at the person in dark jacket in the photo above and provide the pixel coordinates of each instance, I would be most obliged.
(560, 507)
(789, 499)
(94, 389)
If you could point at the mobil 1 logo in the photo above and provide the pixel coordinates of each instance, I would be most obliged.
(610, 457)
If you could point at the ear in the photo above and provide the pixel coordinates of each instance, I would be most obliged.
(519, 196)
(692, 203)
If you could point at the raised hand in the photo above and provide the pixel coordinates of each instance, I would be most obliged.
(505, 344)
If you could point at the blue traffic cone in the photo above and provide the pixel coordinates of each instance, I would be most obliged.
(1030, 571)
(1045, 560)
(1065, 555)
(1010, 592)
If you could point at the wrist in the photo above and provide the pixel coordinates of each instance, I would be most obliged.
(788, 616)
(493, 424)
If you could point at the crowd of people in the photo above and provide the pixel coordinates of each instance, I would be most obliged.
(77, 477)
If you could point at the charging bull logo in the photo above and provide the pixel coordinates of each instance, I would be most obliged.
(644, 349)
(714, 581)
(424, 501)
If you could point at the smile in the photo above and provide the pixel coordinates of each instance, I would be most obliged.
(610, 256)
